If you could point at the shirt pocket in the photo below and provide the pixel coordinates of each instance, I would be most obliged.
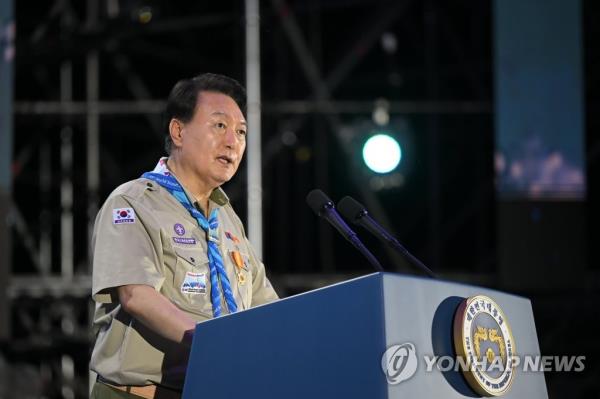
(191, 283)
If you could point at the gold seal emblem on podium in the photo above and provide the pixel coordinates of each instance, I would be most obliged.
(484, 346)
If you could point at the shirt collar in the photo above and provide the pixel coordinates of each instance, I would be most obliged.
(218, 196)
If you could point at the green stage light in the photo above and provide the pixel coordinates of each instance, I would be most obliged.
(382, 153)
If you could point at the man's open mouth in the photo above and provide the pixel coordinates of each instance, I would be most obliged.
(225, 159)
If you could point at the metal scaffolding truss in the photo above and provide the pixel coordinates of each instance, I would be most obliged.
(319, 101)
(58, 171)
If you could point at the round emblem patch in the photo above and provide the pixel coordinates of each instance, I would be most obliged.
(179, 229)
(484, 341)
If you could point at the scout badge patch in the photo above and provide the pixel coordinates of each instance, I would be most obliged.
(194, 283)
(179, 229)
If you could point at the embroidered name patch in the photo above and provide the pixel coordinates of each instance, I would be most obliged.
(123, 215)
(194, 283)
(184, 240)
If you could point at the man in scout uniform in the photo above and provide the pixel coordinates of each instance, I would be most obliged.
(168, 249)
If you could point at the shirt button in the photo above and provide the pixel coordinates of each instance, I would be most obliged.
(149, 185)
(193, 260)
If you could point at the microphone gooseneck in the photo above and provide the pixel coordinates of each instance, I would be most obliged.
(357, 214)
(318, 201)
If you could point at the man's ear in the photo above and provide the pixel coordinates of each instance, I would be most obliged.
(175, 131)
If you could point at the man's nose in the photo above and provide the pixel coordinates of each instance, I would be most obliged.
(231, 139)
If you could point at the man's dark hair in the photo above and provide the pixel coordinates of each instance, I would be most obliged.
(183, 98)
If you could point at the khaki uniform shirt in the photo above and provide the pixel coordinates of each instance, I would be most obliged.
(143, 235)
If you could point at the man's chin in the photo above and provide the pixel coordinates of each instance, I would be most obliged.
(220, 177)
(220, 180)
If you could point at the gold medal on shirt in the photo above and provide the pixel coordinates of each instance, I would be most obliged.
(238, 261)
(241, 278)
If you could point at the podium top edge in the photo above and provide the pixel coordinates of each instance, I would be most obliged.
(424, 279)
(381, 276)
(446, 281)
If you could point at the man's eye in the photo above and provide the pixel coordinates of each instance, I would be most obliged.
(242, 132)
(220, 125)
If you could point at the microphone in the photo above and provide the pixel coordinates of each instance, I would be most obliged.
(356, 212)
(323, 207)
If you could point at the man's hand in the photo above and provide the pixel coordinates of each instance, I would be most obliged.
(156, 312)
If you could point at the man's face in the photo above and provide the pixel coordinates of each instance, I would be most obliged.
(213, 142)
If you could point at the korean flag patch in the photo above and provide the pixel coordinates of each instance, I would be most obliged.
(123, 215)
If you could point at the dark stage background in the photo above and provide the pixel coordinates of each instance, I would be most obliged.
(327, 67)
